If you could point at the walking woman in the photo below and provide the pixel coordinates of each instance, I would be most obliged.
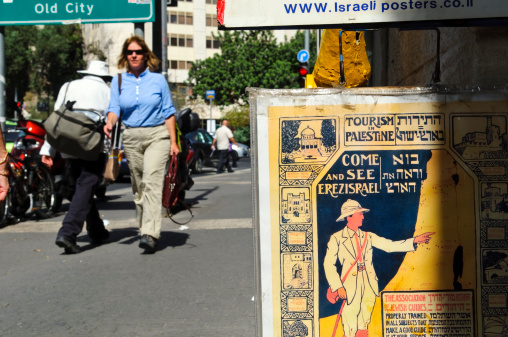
(150, 132)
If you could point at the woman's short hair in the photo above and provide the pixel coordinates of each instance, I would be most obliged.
(151, 60)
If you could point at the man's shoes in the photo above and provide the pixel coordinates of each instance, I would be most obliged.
(69, 246)
(98, 238)
(148, 243)
(230, 171)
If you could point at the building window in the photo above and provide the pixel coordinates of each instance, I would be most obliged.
(179, 18)
(212, 43)
(181, 65)
(211, 2)
(181, 41)
(211, 20)
(173, 17)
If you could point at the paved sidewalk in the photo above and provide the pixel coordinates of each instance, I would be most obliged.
(201, 283)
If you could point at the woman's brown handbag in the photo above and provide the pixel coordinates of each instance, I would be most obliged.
(172, 186)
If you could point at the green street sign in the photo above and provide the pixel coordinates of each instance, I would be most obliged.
(55, 12)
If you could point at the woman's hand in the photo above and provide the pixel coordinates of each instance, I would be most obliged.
(110, 123)
(171, 126)
(174, 149)
(107, 130)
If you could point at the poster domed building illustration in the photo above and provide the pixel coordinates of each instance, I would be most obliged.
(309, 143)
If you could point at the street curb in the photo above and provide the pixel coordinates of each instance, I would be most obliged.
(167, 224)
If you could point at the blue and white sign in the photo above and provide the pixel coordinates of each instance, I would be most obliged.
(303, 56)
(210, 94)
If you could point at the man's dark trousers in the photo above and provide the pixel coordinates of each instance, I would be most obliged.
(87, 175)
(224, 160)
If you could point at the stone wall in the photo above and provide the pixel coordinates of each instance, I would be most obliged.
(468, 56)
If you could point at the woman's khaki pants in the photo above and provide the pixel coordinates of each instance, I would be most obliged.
(147, 151)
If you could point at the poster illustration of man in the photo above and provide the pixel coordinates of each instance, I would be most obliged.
(357, 284)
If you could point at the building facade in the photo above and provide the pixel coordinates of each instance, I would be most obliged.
(191, 35)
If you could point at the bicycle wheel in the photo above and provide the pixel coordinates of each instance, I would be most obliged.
(43, 192)
(19, 202)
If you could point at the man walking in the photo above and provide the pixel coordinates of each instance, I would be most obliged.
(89, 92)
(357, 284)
(223, 136)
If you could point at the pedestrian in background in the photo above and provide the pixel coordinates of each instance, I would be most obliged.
(4, 172)
(223, 137)
(92, 93)
(149, 135)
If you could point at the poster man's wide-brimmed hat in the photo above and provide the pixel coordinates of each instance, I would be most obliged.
(349, 208)
(97, 68)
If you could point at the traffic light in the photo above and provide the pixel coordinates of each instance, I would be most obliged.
(15, 105)
(303, 71)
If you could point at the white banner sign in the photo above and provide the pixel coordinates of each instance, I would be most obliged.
(287, 13)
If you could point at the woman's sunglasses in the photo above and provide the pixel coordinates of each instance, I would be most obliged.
(138, 52)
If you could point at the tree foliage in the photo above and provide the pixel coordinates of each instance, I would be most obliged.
(42, 59)
(239, 121)
(18, 59)
(58, 55)
(248, 59)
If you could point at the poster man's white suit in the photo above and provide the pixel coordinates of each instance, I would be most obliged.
(358, 283)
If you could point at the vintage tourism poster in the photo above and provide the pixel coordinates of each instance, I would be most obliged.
(381, 212)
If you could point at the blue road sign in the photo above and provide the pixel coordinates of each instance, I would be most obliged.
(210, 94)
(303, 56)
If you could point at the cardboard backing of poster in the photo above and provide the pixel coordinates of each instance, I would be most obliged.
(381, 212)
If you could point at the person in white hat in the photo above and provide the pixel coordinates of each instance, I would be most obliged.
(89, 92)
(357, 284)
